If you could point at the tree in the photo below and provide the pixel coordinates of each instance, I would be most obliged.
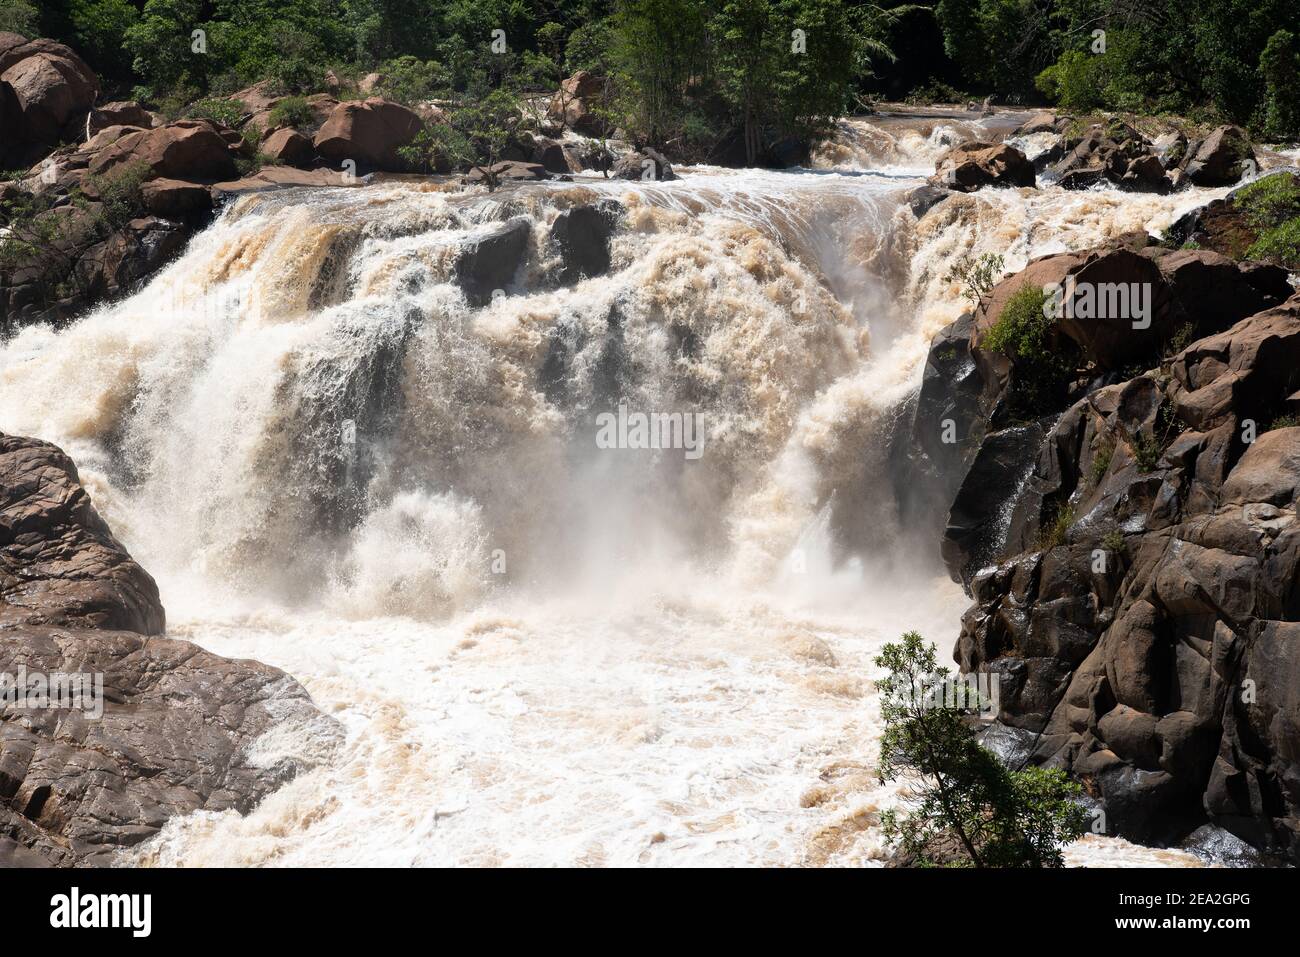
(161, 44)
(19, 16)
(1280, 67)
(660, 49)
(475, 134)
(748, 44)
(1000, 818)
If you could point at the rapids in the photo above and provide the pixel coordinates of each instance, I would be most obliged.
(544, 652)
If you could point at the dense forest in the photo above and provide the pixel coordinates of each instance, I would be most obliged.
(689, 72)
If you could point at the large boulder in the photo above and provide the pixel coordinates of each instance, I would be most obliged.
(369, 132)
(288, 146)
(184, 150)
(974, 165)
(490, 260)
(123, 113)
(48, 91)
(160, 728)
(59, 563)
(1220, 159)
(581, 236)
(646, 164)
(573, 106)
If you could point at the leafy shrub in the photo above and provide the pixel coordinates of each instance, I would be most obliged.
(1041, 366)
(1113, 541)
(1147, 450)
(291, 111)
(1001, 818)
(977, 275)
(1279, 64)
(1101, 462)
(411, 80)
(1272, 207)
(226, 112)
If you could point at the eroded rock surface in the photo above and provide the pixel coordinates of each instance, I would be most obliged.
(177, 728)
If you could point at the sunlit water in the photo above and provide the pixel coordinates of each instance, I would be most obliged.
(543, 652)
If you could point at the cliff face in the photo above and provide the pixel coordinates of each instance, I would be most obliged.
(1132, 555)
(172, 728)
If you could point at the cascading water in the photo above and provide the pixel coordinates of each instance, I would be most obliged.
(544, 651)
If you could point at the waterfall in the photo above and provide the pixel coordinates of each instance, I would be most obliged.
(335, 460)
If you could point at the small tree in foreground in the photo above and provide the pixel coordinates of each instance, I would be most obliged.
(1000, 818)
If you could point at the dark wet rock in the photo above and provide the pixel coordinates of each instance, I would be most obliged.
(924, 198)
(646, 164)
(490, 261)
(176, 727)
(1140, 605)
(1111, 152)
(1220, 159)
(582, 235)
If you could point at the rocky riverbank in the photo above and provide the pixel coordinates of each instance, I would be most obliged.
(177, 729)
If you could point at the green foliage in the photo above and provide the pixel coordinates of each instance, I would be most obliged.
(291, 111)
(1042, 365)
(1147, 450)
(226, 112)
(1101, 460)
(1279, 65)
(410, 80)
(978, 276)
(1054, 531)
(1283, 422)
(956, 788)
(19, 16)
(1113, 541)
(475, 135)
(1272, 207)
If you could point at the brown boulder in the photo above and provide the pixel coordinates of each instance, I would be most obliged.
(183, 149)
(974, 165)
(59, 563)
(369, 133)
(46, 90)
(288, 146)
(1220, 158)
(124, 113)
(176, 199)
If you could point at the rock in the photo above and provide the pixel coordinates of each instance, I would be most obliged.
(582, 236)
(648, 165)
(183, 150)
(490, 261)
(48, 90)
(555, 157)
(510, 171)
(573, 105)
(370, 83)
(122, 113)
(283, 177)
(1151, 644)
(1115, 152)
(1219, 159)
(173, 727)
(59, 563)
(176, 199)
(369, 132)
(1220, 225)
(289, 146)
(924, 198)
(1044, 122)
(974, 165)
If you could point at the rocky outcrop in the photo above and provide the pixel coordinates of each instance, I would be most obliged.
(184, 150)
(1221, 225)
(1132, 553)
(1111, 152)
(974, 165)
(122, 113)
(1220, 159)
(574, 105)
(369, 133)
(175, 728)
(46, 90)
